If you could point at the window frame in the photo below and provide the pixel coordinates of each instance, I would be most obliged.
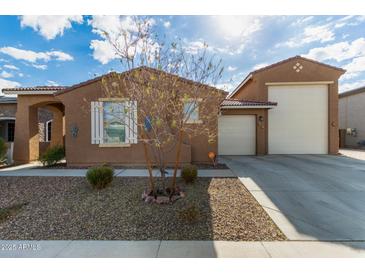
(119, 144)
(47, 139)
(193, 121)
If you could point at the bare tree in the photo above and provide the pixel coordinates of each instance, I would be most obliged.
(169, 84)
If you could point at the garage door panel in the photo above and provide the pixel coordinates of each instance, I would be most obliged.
(299, 124)
(237, 135)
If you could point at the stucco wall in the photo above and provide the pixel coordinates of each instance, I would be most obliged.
(80, 151)
(352, 115)
(256, 89)
(7, 110)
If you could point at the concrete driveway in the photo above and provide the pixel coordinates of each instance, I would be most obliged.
(310, 197)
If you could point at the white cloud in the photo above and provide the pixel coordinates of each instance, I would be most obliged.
(50, 26)
(167, 24)
(41, 67)
(231, 68)
(8, 84)
(301, 21)
(259, 66)
(339, 51)
(353, 51)
(52, 83)
(11, 67)
(351, 85)
(195, 46)
(237, 26)
(237, 31)
(311, 34)
(227, 86)
(32, 56)
(6, 74)
(356, 65)
(345, 21)
(103, 51)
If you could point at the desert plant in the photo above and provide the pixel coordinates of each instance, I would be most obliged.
(52, 155)
(190, 214)
(100, 177)
(189, 173)
(3, 150)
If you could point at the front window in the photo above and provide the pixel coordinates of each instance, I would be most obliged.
(114, 123)
(191, 111)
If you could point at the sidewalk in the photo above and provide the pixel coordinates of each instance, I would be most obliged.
(35, 170)
(179, 249)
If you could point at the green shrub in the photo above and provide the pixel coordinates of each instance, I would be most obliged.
(3, 150)
(189, 173)
(52, 155)
(190, 214)
(100, 177)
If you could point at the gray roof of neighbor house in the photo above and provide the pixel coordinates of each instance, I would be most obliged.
(234, 103)
(7, 100)
(352, 92)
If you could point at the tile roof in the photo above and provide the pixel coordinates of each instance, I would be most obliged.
(37, 88)
(246, 103)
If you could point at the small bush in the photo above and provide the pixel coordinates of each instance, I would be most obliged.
(190, 214)
(52, 155)
(100, 177)
(189, 173)
(3, 150)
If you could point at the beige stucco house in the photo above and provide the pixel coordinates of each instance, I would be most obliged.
(290, 107)
(352, 117)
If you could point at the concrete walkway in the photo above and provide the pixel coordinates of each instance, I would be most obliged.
(35, 169)
(178, 249)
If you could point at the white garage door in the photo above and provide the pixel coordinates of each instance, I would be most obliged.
(237, 135)
(299, 124)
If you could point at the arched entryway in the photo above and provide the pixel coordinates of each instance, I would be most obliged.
(31, 139)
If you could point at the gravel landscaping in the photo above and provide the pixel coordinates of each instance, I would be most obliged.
(64, 208)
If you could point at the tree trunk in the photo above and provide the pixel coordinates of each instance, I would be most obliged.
(177, 161)
(151, 190)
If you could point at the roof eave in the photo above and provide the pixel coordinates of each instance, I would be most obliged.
(29, 92)
(246, 107)
(248, 77)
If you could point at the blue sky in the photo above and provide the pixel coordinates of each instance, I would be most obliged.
(64, 50)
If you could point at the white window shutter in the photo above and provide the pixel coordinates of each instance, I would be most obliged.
(131, 122)
(135, 122)
(96, 122)
(127, 122)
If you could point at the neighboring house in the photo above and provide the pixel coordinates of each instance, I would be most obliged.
(352, 117)
(290, 107)
(8, 107)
